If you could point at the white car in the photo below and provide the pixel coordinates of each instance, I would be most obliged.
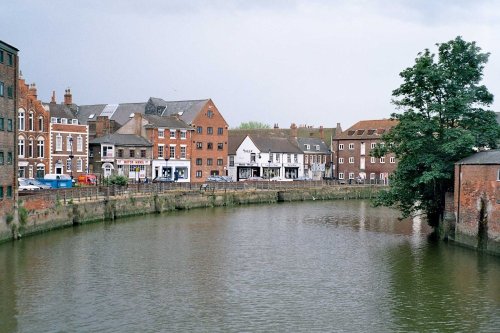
(24, 185)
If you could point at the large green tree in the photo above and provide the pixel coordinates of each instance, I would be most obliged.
(253, 125)
(441, 120)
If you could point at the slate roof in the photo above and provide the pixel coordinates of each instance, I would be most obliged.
(121, 115)
(60, 111)
(482, 157)
(170, 122)
(186, 110)
(122, 140)
(264, 143)
(367, 129)
(234, 140)
(312, 142)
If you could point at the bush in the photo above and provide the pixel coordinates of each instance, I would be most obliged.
(116, 180)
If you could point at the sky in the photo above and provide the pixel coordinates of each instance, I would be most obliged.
(309, 62)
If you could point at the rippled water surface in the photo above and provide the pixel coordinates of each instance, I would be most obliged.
(336, 266)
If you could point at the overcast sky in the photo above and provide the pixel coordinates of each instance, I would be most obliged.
(312, 62)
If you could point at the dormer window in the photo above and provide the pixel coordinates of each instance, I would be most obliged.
(92, 116)
(74, 121)
(53, 120)
(317, 147)
(64, 121)
(307, 147)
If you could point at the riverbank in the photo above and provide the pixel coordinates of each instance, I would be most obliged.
(38, 214)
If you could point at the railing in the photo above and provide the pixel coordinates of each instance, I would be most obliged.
(90, 193)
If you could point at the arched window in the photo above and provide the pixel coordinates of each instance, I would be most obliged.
(31, 121)
(20, 147)
(40, 147)
(40, 124)
(21, 119)
(40, 170)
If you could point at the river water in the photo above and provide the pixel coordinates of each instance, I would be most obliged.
(330, 266)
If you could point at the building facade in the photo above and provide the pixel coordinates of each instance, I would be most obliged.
(33, 133)
(9, 69)
(316, 158)
(351, 151)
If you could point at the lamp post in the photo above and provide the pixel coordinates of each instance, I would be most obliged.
(71, 156)
(269, 170)
(167, 154)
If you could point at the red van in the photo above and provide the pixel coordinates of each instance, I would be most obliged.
(88, 179)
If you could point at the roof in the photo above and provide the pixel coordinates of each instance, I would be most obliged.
(367, 129)
(483, 157)
(302, 132)
(234, 141)
(122, 140)
(313, 142)
(8, 46)
(186, 110)
(60, 110)
(171, 122)
(117, 112)
(275, 144)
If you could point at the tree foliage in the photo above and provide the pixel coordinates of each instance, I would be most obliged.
(253, 125)
(442, 120)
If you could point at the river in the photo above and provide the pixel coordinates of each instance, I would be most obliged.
(329, 266)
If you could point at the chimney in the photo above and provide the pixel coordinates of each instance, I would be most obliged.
(293, 132)
(32, 91)
(53, 100)
(137, 123)
(102, 126)
(338, 130)
(321, 133)
(68, 98)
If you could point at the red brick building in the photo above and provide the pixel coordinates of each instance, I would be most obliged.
(351, 152)
(477, 199)
(9, 69)
(33, 133)
(210, 137)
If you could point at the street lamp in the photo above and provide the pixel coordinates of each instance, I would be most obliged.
(269, 170)
(71, 156)
(167, 154)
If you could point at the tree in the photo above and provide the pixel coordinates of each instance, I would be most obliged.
(253, 125)
(442, 121)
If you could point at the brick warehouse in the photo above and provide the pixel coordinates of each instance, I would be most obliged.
(351, 152)
(9, 69)
(477, 199)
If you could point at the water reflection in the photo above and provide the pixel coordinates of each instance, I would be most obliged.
(302, 267)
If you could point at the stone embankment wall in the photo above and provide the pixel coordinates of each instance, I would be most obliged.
(44, 213)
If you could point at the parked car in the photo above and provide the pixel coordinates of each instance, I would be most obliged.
(24, 185)
(88, 179)
(254, 179)
(41, 185)
(219, 179)
(163, 180)
(303, 178)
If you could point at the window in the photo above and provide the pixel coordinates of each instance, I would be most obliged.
(210, 145)
(341, 146)
(351, 146)
(372, 159)
(10, 126)
(10, 92)
(64, 121)
(351, 175)
(289, 158)
(198, 174)
(31, 121)
(372, 176)
(161, 133)
(199, 145)
(172, 134)
(40, 124)
(317, 147)
(341, 160)
(210, 161)
(58, 142)
(20, 147)
(2, 158)
(9, 191)
(10, 56)
(183, 151)
(30, 148)
(220, 161)
(21, 120)
(252, 157)
(341, 175)
(220, 146)
(210, 130)
(1, 56)
(373, 144)
(68, 165)
(172, 151)
(1, 89)
(381, 176)
(1, 124)
(9, 157)
(277, 157)
(40, 147)
(231, 161)
(199, 161)
(79, 143)
(40, 171)
(199, 130)
(69, 143)
(306, 159)
(351, 160)
(143, 153)
(160, 151)
(74, 121)
(79, 165)
(53, 120)
(183, 135)
(308, 147)
(220, 131)
(392, 159)
(382, 160)
(498, 175)
(119, 153)
(131, 153)
(210, 113)
(295, 158)
(1, 192)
